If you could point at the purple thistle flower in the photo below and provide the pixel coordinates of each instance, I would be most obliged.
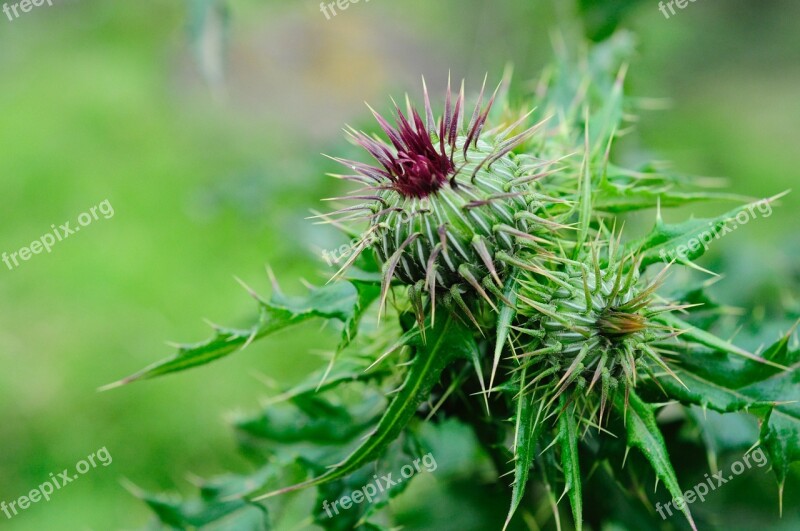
(448, 203)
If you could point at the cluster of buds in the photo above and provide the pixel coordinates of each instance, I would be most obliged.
(480, 213)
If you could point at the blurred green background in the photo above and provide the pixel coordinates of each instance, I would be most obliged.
(211, 178)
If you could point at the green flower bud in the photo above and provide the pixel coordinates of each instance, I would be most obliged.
(592, 324)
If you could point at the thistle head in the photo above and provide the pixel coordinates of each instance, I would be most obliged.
(592, 324)
(447, 201)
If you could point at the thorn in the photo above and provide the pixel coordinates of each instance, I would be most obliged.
(250, 290)
(391, 265)
(483, 252)
(212, 324)
(467, 275)
(250, 339)
(326, 373)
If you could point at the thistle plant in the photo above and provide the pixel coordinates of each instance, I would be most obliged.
(549, 319)
(448, 199)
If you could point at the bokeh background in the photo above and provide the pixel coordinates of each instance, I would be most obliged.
(203, 127)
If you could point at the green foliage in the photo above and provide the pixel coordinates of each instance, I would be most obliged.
(727, 383)
(527, 430)
(218, 506)
(445, 342)
(601, 19)
(644, 434)
(574, 336)
(568, 437)
(687, 241)
(621, 190)
(342, 301)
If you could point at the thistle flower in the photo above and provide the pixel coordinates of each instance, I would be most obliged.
(592, 325)
(449, 202)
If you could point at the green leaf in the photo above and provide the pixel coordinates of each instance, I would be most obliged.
(720, 432)
(601, 19)
(309, 426)
(342, 301)
(346, 370)
(446, 342)
(582, 80)
(219, 506)
(400, 453)
(701, 337)
(311, 419)
(529, 420)
(622, 190)
(368, 293)
(780, 436)
(643, 433)
(568, 437)
(688, 241)
(725, 383)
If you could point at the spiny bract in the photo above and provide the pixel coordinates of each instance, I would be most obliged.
(449, 203)
(590, 325)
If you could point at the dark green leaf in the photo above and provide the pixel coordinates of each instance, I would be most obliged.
(601, 19)
(726, 383)
(446, 342)
(644, 434)
(343, 301)
(220, 505)
(622, 190)
(529, 421)
(568, 437)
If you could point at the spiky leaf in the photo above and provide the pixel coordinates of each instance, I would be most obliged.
(622, 190)
(687, 241)
(447, 341)
(727, 383)
(342, 301)
(568, 438)
(643, 433)
(529, 421)
(219, 505)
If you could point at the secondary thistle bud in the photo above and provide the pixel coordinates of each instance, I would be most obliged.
(592, 324)
(449, 200)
